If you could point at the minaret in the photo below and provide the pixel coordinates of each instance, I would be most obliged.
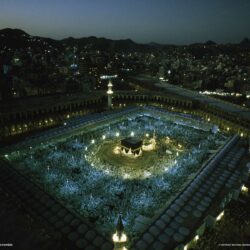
(110, 93)
(119, 238)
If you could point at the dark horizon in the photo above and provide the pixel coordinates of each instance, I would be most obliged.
(144, 21)
(123, 39)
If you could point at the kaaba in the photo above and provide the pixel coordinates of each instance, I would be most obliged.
(132, 144)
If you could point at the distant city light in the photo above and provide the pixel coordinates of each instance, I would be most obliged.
(196, 237)
(73, 66)
(219, 217)
(244, 189)
(219, 93)
(105, 77)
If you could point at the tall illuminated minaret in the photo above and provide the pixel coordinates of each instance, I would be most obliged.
(110, 93)
(119, 238)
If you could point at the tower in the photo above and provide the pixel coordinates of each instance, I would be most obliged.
(119, 238)
(110, 93)
(110, 85)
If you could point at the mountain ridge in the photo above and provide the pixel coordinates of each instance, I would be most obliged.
(18, 38)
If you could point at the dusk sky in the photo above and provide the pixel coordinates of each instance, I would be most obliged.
(162, 21)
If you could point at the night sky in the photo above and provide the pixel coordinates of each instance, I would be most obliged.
(162, 21)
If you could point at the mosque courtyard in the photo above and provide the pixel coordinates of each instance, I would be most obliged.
(91, 172)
